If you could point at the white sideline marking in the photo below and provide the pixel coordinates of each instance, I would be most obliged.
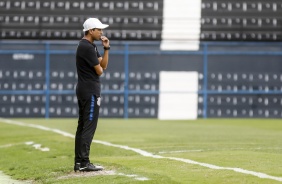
(29, 143)
(103, 172)
(37, 146)
(179, 151)
(202, 150)
(145, 153)
(134, 176)
(7, 145)
(8, 180)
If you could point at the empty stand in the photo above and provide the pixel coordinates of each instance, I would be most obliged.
(138, 20)
(245, 106)
(22, 105)
(241, 20)
(61, 20)
(239, 86)
(245, 81)
(143, 105)
(22, 80)
(63, 105)
(143, 81)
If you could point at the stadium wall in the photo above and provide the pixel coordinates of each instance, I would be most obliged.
(235, 79)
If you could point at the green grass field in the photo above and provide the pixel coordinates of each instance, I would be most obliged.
(213, 151)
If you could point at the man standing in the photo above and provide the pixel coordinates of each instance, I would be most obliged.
(90, 65)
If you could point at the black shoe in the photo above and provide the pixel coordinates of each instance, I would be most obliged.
(76, 167)
(90, 167)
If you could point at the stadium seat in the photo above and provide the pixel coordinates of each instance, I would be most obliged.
(76, 5)
(267, 6)
(106, 6)
(3, 5)
(224, 6)
(61, 5)
(46, 5)
(89, 5)
(135, 6)
(252, 6)
(207, 6)
(151, 6)
(32, 5)
(17, 5)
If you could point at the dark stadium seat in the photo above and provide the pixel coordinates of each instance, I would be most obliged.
(16, 5)
(224, 6)
(89, 5)
(46, 5)
(106, 6)
(32, 5)
(252, 6)
(148, 35)
(135, 5)
(61, 5)
(207, 6)
(3, 5)
(149, 6)
(278, 6)
(76, 5)
(236, 6)
(119, 5)
(60, 20)
(268, 6)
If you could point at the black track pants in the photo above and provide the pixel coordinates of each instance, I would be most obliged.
(87, 123)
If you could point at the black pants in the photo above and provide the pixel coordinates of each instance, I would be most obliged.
(87, 123)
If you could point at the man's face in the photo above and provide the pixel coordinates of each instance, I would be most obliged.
(96, 33)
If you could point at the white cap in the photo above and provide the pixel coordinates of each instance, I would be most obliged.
(92, 23)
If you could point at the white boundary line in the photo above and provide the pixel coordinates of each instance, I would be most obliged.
(179, 151)
(8, 145)
(227, 149)
(8, 180)
(145, 153)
